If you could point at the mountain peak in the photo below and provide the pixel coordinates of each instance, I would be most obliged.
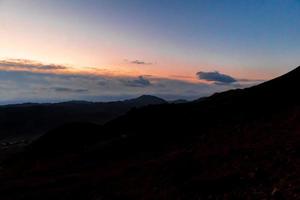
(146, 100)
(146, 96)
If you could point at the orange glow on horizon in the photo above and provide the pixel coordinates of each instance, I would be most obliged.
(127, 69)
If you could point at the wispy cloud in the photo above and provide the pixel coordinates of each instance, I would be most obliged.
(23, 64)
(140, 62)
(64, 89)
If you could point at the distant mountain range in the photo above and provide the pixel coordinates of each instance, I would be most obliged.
(239, 144)
(30, 119)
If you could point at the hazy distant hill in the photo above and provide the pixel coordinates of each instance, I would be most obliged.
(239, 144)
(179, 101)
(33, 119)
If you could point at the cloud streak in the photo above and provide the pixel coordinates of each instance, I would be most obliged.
(140, 62)
(23, 64)
(64, 89)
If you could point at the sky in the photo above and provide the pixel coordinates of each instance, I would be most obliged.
(103, 50)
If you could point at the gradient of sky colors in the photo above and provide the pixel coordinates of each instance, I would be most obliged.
(138, 46)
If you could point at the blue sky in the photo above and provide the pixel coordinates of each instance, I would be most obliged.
(254, 40)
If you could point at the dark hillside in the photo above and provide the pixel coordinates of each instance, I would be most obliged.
(239, 144)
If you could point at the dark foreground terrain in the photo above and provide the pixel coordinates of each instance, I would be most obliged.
(240, 144)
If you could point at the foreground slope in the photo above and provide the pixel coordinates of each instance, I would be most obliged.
(240, 144)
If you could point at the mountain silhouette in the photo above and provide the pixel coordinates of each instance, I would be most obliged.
(145, 100)
(239, 144)
(29, 119)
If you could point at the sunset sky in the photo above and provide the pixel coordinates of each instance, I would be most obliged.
(102, 50)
